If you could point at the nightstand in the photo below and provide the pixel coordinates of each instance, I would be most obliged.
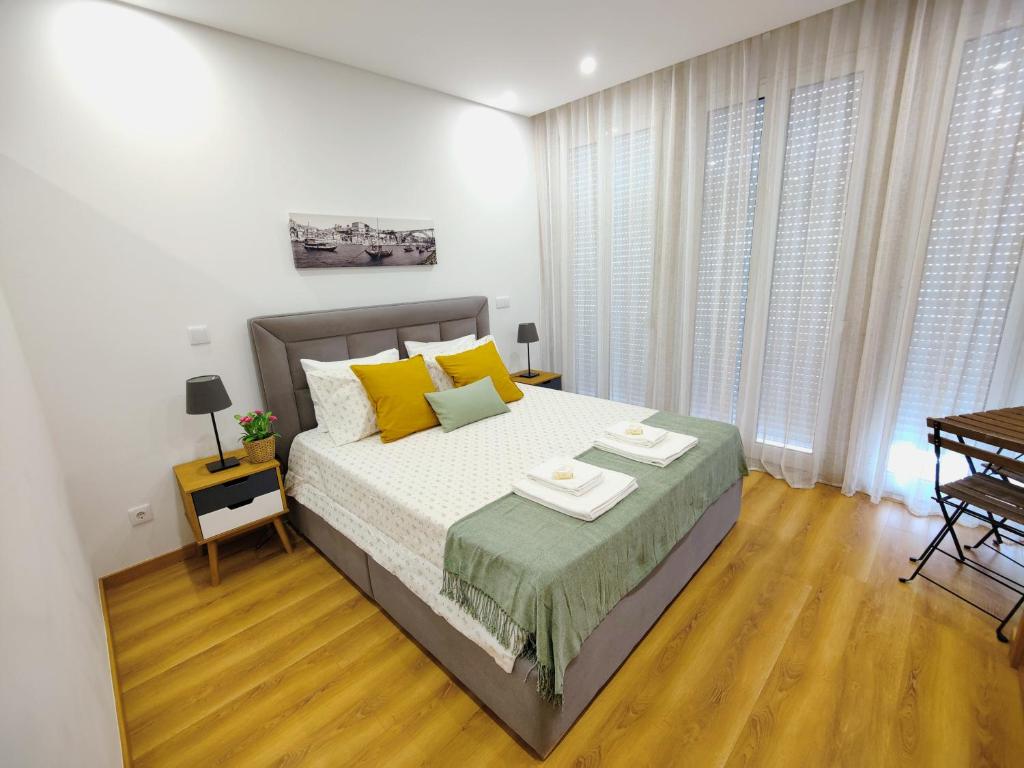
(542, 379)
(219, 505)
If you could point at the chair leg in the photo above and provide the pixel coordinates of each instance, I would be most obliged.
(993, 530)
(951, 522)
(924, 556)
(930, 546)
(947, 527)
(999, 631)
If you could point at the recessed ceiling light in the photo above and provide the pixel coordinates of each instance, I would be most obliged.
(587, 65)
(507, 100)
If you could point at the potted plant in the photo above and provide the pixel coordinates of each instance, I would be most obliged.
(259, 435)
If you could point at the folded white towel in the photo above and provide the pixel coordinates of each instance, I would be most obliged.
(584, 476)
(613, 488)
(649, 435)
(664, 453)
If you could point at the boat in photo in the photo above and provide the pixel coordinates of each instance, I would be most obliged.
(377, 251)
(316, 244)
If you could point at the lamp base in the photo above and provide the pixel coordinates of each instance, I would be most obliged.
(229, 462)
(528, 375)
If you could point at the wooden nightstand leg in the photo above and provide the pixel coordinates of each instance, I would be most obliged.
(1017, 646)
(282, 534)
(211, 550)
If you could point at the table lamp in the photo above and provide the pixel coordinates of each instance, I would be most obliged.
(527, 334)
(206, 394)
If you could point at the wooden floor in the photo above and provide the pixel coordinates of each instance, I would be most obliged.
(794, 646)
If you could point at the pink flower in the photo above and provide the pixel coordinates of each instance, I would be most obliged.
(246, 419)
(273, 418)
(257, 413)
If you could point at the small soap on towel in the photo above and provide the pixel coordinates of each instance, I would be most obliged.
(633, 433)
(582, 477)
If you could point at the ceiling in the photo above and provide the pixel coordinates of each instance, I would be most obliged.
(484, 50)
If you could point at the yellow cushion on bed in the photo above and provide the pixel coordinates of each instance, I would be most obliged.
(478, 363)
(397, 392)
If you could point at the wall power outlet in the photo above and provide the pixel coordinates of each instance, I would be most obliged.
(140, 514)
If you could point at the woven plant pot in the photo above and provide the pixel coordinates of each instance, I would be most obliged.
(260, 450)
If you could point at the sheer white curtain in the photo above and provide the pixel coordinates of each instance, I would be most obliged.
(814, 234)
(833, 88)
(953, 333)
(623, 229)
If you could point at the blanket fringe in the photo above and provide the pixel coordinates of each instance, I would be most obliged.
(505, 630)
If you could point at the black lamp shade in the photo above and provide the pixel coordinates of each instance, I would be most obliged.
(528, 333)
(205, 394)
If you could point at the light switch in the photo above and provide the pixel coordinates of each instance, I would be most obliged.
(198, 334)
(502, 302)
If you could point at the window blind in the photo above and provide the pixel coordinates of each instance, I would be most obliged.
(632, 265)
(627, 285)
(585, 274)
(974, 247)
(727, 231)
(819, 149)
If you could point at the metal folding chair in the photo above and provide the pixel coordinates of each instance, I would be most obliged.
(993, 494)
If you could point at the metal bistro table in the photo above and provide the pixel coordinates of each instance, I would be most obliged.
(993, 492)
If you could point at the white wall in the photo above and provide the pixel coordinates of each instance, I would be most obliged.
(57, 706)
(147, 168)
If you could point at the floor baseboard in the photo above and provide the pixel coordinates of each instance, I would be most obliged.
(122, 729)
(149, 566)
(186, 552)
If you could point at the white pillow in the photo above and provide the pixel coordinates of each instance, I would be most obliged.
(387, 356)
(435, 348)
(429, 350)
(339, 400)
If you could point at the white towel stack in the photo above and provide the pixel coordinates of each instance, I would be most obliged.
(661, 450)
(584, 476)
(648, 437)
(587, 504)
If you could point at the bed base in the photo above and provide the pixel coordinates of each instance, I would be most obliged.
(513, 698)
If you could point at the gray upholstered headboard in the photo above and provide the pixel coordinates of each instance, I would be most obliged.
(280, 341)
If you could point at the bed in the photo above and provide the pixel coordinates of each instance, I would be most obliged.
(379, 512)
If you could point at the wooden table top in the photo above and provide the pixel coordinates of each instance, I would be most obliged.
(1003, 427)
(194, 476)
(542, 377)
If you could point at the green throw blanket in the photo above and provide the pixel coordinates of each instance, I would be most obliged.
(542, 581)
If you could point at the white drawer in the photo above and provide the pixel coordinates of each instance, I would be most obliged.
(226, 519)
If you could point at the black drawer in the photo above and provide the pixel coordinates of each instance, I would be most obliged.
(553, 384)
(235, 493)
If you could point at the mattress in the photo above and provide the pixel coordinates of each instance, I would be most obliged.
(397, 500)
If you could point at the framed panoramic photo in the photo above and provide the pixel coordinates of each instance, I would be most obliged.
(320, 240)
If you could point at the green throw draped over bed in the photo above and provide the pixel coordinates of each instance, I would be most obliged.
(542, 581)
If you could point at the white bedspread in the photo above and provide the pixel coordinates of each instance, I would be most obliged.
(397, 500)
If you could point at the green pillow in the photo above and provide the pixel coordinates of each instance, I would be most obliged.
(463, 405)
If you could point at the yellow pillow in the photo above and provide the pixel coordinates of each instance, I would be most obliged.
(478, 363)
(397, 393)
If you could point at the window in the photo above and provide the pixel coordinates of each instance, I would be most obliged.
(974, 249)
(628, 281)
(727, 231)
(819, 149)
